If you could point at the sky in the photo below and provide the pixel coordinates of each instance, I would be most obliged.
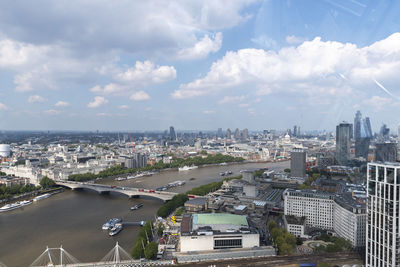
(198, 65)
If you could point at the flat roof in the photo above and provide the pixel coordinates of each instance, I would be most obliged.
(220, 218)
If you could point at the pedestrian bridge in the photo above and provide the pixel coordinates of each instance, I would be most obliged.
(128, 191)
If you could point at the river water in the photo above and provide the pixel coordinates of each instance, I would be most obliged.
(73, 219)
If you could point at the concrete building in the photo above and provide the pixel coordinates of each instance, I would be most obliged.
(343, 143)
(213, 231)
(197, 204)
(383, 223)
(298, 163)
(237, 134)
(295, 225)
(386, 152)
(245, 134)
(349, 219)
(248, 176)
(317, 207)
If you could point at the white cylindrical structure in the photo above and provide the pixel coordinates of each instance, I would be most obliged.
(5, 150)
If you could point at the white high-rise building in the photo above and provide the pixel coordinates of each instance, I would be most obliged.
(383, 223)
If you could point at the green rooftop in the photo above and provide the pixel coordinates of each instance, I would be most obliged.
(220, 218)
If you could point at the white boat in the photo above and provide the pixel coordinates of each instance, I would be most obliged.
(187, 168)
(120, 179)
(15, 205)
(116, 229)
(111, 223)
(136, 176)
(42, 197)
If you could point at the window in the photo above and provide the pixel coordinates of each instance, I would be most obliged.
(227, 243)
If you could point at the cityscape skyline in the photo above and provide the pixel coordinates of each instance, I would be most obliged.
(195, 71)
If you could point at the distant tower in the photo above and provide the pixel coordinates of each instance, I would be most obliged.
(384, 133)
(298, 163)
(237, 134)
(219, 132)
(295, 130)
(172, 133)
(245, 134)
(228, 134)
(362, 135)
(343, 143)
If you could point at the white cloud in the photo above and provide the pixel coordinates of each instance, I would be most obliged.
(36, 99)
(14, 54)
(311, 68)
(209, 112)
(51, 112)
(146, 72)
(3, 107)
(202, 48)
(124, 107)
(61, 104)
(232, 99)
(291, 39)
(97, 102)
(140, 96)
(378, 103)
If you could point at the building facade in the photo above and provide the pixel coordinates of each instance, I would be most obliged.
(316, 206)
(343, 131)
(386, 152)
(349, 219)
(298, 163)
(383, 223)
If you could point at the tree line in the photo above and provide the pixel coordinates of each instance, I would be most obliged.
(176, 163)
(144, 244)
(283, 240)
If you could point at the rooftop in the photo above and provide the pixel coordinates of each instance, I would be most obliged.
(219, 219)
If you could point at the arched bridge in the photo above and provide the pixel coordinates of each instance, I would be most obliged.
(128, 191)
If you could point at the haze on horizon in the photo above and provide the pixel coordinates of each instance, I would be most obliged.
(122, 66)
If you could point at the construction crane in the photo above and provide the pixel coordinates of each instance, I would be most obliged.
(133, 144)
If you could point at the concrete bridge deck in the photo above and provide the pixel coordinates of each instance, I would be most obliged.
(128, 191)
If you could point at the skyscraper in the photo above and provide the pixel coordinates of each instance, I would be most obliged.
(228, 134)
(219, 132)
(245, 134)
(362, 135)
(343, 143)
(384, 133)
(383, 221)
(298, 163)
(172, 133)
(237, 134)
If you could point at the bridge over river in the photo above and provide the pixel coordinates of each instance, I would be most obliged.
(128, 191)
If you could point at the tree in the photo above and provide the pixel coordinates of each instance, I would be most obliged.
(203, 152)
(271, 225)
(323, 264)
(137, 250)
(150, 252)
(287, 170)
(160, 229)
(46, 182)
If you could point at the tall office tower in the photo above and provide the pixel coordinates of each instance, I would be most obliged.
(245, 134)
(357, 128)
(383, 221)
(172, 133)
(298, 163)
(298, 131)
(237, 134)
(228, 134)
(343, 143)
(384, 133)
(219, 132)
(386, 152)
(362, 135)
(295, 130)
